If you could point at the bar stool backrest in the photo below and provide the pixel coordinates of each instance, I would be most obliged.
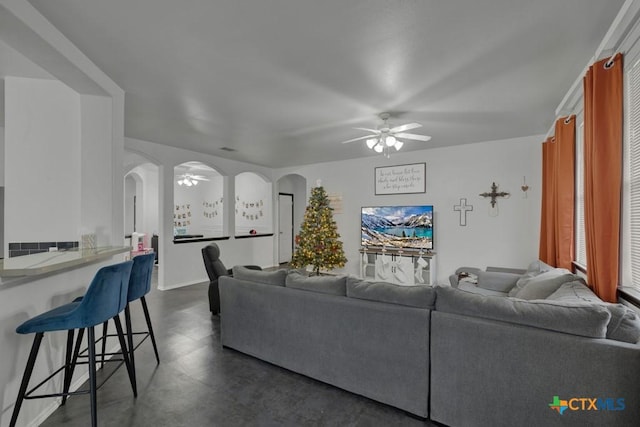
(107, 294)
(140, 280)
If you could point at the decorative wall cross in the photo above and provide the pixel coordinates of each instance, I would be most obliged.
(463, 208)
(494, 194)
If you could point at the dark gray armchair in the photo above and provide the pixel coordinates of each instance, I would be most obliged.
(215, 268)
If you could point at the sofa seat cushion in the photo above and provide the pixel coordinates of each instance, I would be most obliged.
(589, 320)
(333, 285)
(624, 324)
(420, 296)
(276, 278)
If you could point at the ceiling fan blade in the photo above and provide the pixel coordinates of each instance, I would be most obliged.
(376, 131)
(413, 136)
(359, 138)
(403, 128)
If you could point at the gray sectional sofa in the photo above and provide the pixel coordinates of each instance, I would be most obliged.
(369, 340)
(457, 357)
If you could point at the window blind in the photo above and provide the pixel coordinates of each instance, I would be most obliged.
(633, 129)
(581, 245)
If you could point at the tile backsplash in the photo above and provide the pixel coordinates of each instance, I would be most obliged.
(28, 248)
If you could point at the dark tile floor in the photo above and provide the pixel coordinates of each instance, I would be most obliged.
(199, 383)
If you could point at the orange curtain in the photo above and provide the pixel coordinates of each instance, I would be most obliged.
(565, 155)
(558, 187)
(603, 101)
(547, 252)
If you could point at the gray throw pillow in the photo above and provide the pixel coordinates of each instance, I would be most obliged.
(589, 320)
(276, 277)
(533, 276)
(541, 287)
(333, 285)
(414, 296)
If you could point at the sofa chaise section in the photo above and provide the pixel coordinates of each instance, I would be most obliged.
(375, 349)
(498, 362)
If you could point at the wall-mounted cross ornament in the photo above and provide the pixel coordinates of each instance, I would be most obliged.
(494, 194)
(463, 208)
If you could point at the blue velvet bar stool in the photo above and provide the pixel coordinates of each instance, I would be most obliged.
(105, 298)
(139, 286)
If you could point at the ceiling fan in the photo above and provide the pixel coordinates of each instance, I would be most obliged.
(189, 179)
(385, 137)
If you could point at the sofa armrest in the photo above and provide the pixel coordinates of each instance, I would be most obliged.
(454, 279)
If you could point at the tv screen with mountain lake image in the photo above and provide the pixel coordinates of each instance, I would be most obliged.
(398, 226)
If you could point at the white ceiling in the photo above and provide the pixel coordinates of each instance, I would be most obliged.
(283, 82)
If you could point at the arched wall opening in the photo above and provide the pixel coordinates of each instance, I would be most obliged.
(199, 202)
(253, 205)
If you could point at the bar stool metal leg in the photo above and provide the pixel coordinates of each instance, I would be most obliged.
(127, 319)
(68, 367)
(105, 326)
(125, 356)
(25, 378)
(91, 337)
(148, 319)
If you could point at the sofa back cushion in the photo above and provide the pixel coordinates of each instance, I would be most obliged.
(275, 278)
(333, 285)
(414, 296)
(587, 320)
(625, 322)
(497, 281)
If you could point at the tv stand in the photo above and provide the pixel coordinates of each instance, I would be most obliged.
(406, 267)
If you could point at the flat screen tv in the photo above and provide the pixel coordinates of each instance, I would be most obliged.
(401, 227)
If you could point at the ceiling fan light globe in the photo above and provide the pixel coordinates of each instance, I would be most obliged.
(371, 143)
(180, 182)
(378, 148)
(398, 145)
(195, 182)
(390, 141)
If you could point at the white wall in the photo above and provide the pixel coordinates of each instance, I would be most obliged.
(150, 205)
(509, 239)
(42, 161)
(97, 169)
(1, 157)
(129, 208)
(2, 186)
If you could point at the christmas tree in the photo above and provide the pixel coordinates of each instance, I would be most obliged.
(318, 243)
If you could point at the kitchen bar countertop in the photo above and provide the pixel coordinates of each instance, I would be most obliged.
(49, 262)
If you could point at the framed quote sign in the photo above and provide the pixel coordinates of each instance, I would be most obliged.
(401, 179)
